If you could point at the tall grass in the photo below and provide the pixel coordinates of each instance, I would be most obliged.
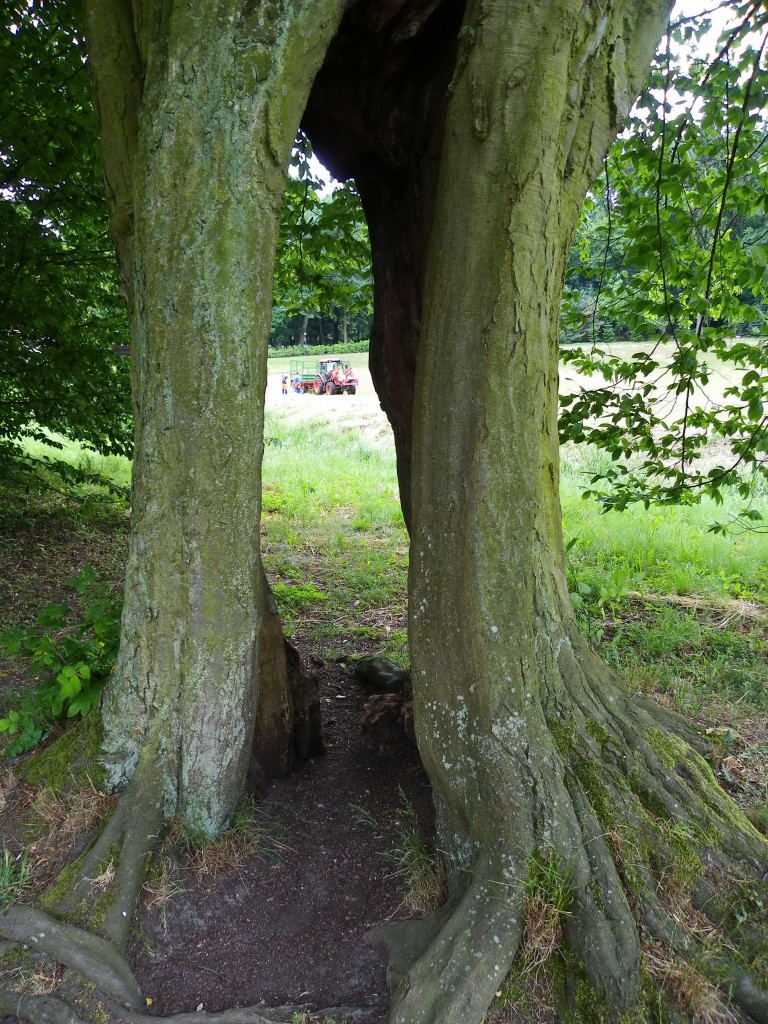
(331, 513)
(116, 468)
(669, 549)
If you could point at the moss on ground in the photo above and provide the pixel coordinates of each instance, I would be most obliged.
(70, 760)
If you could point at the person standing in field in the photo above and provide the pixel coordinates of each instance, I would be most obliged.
(284, 382)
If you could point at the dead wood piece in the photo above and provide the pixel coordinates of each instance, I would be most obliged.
(388, 720)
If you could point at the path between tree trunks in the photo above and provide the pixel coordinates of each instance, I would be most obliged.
(291, 927)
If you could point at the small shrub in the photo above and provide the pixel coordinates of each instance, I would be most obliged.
(72, 652)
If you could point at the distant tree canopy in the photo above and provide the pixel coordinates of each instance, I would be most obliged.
(673, 246)
(60, 308)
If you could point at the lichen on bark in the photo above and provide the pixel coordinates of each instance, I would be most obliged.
(533, 747)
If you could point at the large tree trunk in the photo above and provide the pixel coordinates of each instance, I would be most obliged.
(199, 104)
(212, 94)
(537, 754)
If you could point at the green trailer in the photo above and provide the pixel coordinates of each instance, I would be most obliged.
(328, 376)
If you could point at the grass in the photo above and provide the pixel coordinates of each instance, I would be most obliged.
(680, 611)
(15, 876)
(548, 895)
(416, 864)
(250, 835)
(333, 535)
(116, 468)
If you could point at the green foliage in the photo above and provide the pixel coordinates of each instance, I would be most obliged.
(673, 247)
(14, 876)
(61, 312)
(300, 352)
(71, 653)
(416, 864)
(323, 253)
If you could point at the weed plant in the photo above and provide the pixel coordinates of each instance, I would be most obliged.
(70, 649)
(547, 898)
(14, 876)
(417, 866)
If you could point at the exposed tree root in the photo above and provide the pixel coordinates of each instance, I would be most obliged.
(662, 839)
(245, 1015)
(38, 1009)
(90, 955)
(457, 975)
(630, 818)
(52, 1010)
(101, 888)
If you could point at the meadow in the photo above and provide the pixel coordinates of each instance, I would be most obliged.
(679, 611)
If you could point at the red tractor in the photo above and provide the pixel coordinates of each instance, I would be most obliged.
(334, 377)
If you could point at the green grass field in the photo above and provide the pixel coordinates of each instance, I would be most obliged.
(680, 611)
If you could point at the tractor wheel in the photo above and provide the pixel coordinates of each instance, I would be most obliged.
(351, 389)
(330, 389)
(318, 387)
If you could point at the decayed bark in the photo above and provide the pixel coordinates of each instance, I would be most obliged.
(288, 725)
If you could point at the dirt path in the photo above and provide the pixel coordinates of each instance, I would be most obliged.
(289, 923)
(291, 926)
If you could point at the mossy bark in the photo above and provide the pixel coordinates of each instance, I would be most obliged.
(199, 104)
(537, 754)
(535, 750)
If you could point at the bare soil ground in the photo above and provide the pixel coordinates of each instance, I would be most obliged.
(292, 923)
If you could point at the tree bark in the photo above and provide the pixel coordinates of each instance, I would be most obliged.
(536, 753)
(200, 103)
